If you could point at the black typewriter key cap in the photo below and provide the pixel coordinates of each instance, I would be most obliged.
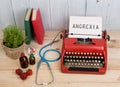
(93, 53)
(86, 61)
(75, 53)
(91, 64)
(90, 53)
(72, 63)
(99, 61)
(74, 60)
(81, 53)
(98, 57)
(87, 53)
(66, 63)
(89, 57)
(69, 52)
(76, 64)
(69, 63)
(67, 56)
(77, 60)
(97, 64)
(80, 60)
(96, 61)
(66, 52)
(84, 53)
(81, 64)
(85, 64)
(102, 58)
(70, 56)
(101, 65)
(89, 61)
(83, 57)
(73, 56)
(76, 56)
(70, 60)
(79, 56)
(83, 60)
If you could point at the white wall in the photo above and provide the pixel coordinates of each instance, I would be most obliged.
(55, 13)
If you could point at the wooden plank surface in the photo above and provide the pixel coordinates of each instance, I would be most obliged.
(8, 78)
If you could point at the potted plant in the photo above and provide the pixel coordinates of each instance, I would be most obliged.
(13, 40)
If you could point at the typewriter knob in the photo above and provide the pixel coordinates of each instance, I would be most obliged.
(108, 37)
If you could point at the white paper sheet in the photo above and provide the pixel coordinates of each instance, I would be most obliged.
(85, 27)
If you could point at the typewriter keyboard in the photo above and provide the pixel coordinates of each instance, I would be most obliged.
(83, 61)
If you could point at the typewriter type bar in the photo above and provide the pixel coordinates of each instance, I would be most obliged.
(84, 58)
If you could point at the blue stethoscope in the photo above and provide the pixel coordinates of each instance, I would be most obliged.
(43, 59)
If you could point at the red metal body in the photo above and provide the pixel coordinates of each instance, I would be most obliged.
(76, 58)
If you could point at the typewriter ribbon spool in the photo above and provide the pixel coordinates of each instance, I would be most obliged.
(84, 55)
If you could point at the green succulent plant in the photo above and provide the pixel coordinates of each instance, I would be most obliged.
(13, 36)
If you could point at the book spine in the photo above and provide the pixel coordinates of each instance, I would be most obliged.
(27, 32)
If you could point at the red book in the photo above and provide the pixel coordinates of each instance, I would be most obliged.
(38, 25)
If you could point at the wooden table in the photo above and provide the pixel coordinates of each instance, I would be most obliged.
(8, 78)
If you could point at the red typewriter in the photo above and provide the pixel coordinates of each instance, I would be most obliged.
(84, 55)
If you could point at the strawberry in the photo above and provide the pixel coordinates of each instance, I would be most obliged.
(23, 76)
(18, 71)
(29, 72)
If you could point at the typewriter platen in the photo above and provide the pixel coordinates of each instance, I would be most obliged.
(81, 55)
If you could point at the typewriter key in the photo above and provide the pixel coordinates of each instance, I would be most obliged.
(69, 52)
(70, 60)
(79, 56)
(83, 60)
(70, 56)
(90, 53)
(97, 64)
(100, 54)
(101, 57)
(73, 56)
(72, 52)
(90, 61)
(98, 57)
(93, 61)
(83, 57)
(73, 60)
(76, 56)
(97, 53)
(87, 53)
(96, 61)
(76, 64)
(67, 56)
(66, 52)
(89, 57)
(93, 53)
(84, 53)
(75, 53)
(99, 61)
(81, 53)
(86, 57)
(77, 60)
(91, 64)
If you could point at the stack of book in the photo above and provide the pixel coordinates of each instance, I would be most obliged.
(33, 25)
